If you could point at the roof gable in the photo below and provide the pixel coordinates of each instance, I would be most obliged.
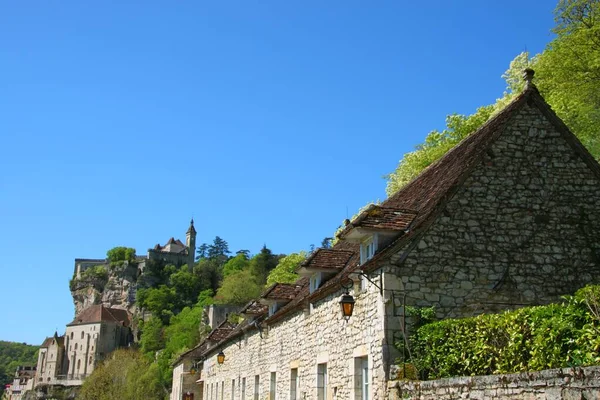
(98, 313)
(429, 191)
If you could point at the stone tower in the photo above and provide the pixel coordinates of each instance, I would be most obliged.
(190, 242)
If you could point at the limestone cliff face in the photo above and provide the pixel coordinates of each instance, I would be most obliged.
(113, 286)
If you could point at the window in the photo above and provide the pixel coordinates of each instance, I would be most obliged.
(361, 378)
(78, 365)
(321, 381)
(82, 335)
(71, 335)
(272, 309)
(256, 387)
(273, 386)
(75, 346)
(294, 384)
(223, 390)
(243, 396)
(367, 249)
(315, 281)
(232, 388)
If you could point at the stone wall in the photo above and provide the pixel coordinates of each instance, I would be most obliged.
(554, 384)
(317, 335)
(521, 230)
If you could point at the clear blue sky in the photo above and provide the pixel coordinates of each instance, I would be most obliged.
(266, 121)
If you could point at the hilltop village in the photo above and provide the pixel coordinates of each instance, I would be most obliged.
(508, 218)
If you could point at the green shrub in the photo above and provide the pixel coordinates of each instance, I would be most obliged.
(528, 339)
(120, 253)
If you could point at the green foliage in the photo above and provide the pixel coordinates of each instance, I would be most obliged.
(13, 355)
(97, 272)
(567, 73)
(236, 264)
(262, 264)
(120, 253)
(152, 339)
(96, 276)
(284, 271)
(160, 301)
(528, 339)
(238, 288)
(126, 375)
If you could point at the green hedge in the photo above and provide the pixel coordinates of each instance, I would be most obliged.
(528, 339)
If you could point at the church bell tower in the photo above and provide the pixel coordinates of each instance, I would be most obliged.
(190, 242)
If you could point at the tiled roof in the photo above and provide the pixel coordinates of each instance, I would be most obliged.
(281, 291)
(334, 259)
(254, 308)
(221, 332)
(383, 218)
(412, 208)
(99, 313)
(48, 341)
(428, 192)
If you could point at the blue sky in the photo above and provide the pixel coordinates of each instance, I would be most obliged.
(268, 121)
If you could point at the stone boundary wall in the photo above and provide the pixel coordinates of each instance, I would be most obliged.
(553, 384)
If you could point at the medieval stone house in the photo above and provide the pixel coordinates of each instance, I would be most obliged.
(508, 218)
(94, 333)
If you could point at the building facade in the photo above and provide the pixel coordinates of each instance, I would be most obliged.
(22, 382)
(508, 218)
(97, 331)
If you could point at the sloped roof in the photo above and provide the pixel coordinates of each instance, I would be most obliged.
(60, 340)
(281, 291)
(415, 206)
(99, 313)
(437, 183)
(221, 331)
(254, 308)
(334, 259)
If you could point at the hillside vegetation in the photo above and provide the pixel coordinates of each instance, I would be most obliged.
(11, 356)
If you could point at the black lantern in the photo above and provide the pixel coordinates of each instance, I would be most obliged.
(221, 357)
(347, 305)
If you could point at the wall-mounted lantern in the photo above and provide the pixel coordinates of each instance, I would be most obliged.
(347, 301)
(347, 305)
(221, 357)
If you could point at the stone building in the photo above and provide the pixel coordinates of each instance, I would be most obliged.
(89, 338)
(508, 218)
(22, 382)
(175, 251)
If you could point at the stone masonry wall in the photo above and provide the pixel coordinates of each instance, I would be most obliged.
(554, 384)
(522, 230)
(303, 341)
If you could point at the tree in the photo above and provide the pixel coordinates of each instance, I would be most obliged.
(202, 251)
(152, 339)
(126, 375)
(236, 264)
(567, 73)
(218, 248)
(161, 301)
(186, 286)
(284, 271)
(238, 288)
(120, 253)
(244, 252)
(262, 263)
(326, 242)
(209, 273)
(568, 70)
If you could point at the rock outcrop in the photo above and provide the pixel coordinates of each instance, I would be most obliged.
(111, 285)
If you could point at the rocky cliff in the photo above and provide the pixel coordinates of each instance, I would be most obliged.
(113, 285)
